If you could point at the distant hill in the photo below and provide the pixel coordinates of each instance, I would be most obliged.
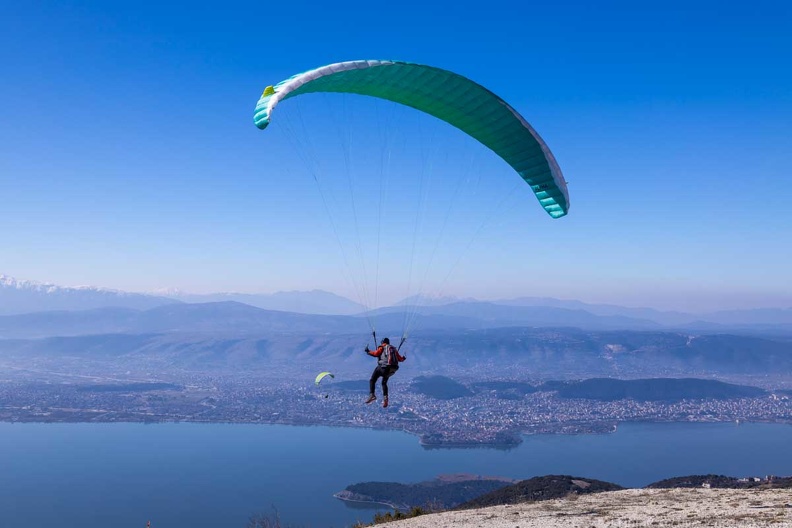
(489, 315)
(440, 387)
(216, 317)
(545, 351)
(197, 352)
(221, 317)
(546, 311)
(238, 335)
(307, 302)
(655, 389)
(440, 493)
(758, 316)
(666, 318)
(22, 296)
(539, 489)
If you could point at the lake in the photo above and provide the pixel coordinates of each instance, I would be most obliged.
(217, 475)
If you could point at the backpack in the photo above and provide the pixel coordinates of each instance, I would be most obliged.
(389, 357)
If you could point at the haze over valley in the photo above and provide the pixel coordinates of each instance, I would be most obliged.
(470, 363)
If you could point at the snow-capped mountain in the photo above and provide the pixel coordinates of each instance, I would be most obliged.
(25, 296)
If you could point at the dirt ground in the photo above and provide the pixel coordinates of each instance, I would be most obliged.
(721, 508)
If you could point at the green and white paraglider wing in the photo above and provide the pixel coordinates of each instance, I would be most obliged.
(448, 96)
(322, 376)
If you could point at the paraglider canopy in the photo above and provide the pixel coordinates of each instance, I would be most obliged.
(451, 97)
(322, 375)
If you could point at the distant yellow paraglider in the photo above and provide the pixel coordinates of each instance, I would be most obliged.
(321, 376)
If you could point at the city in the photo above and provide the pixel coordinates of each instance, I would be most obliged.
(481, 419)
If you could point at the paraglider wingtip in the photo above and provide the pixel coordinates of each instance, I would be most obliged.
(261, 118)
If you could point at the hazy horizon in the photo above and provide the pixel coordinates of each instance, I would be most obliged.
(717, 302)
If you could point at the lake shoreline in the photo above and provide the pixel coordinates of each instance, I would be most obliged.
(348, 496)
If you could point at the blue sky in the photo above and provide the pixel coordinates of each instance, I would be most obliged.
(128, 157)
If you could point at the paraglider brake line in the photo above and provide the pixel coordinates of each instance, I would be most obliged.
(403, 339)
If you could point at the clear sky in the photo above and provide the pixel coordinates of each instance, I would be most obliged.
(128, 157)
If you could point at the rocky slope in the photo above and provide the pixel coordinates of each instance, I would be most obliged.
(656, 508)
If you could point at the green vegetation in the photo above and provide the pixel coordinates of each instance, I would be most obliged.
(540, 488)
(440, 387)
(440, 493)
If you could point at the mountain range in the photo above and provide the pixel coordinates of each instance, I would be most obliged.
(23, 296)
(18, 297)
(309, 302)
(234, 335)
